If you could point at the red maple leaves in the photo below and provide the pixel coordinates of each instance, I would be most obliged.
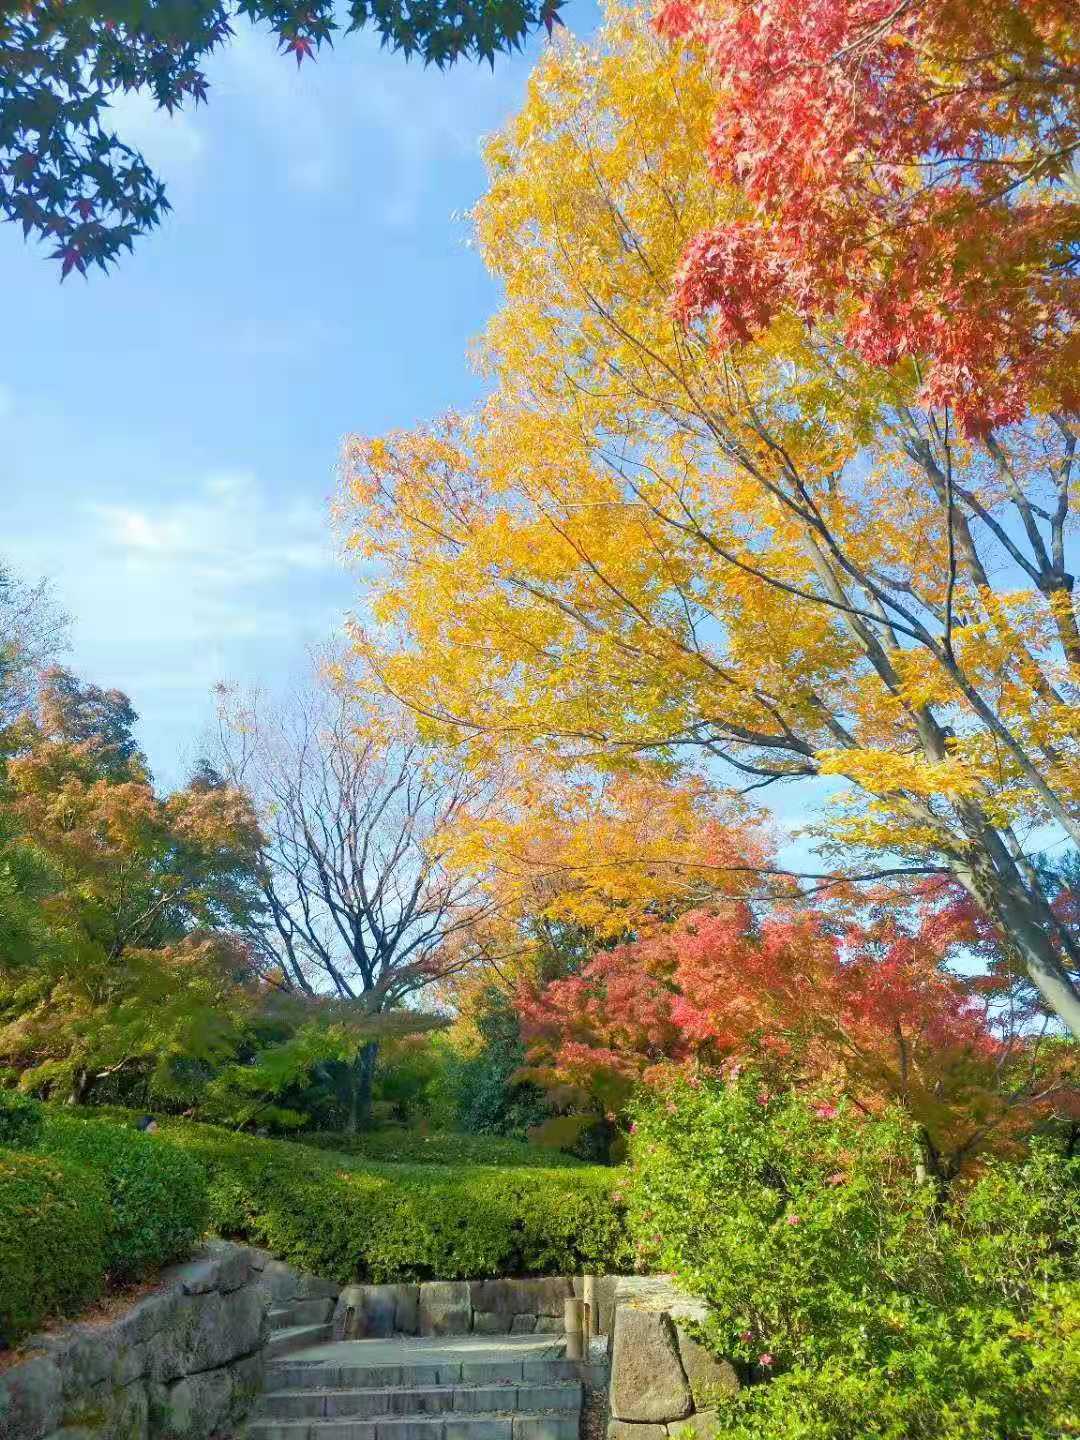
(902, 166)
(865, 999)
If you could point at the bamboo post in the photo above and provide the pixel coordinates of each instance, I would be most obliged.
(572, 1323)
(591, 1319)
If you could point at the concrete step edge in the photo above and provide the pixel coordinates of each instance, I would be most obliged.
(570, 1386)
(296, 1337)
(294, 1313)
(285, 1371)
(392, 1405)
(530, 1425)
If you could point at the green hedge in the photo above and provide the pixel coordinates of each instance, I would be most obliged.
(860, 1303)
(356, 1220)
(409, 1147)
(21, 1119)
(158, 1199)
(54, 1218)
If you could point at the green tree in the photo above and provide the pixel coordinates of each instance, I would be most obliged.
(32, 629)
(68, 178)
(142, 897)
(300, 1068)
(483, 1091)
(100, 723)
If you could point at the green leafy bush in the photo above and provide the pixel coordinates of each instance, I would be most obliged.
(858, 1302)
(157, 1194)
(409, 1147)
(21, 1119)
(54, 1219)
(361, 1220)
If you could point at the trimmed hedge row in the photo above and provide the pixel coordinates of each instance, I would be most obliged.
(368, 1221)
(158, 1201)
(54, 1219)
(408, 1147)
(85, 1204)
(96, 1201)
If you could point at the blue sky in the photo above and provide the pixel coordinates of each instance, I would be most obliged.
(168, 433)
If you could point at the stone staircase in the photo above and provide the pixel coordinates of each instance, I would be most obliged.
(298, 1323)
(410, 1388)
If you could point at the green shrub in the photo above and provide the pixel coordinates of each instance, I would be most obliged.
(858, 1302)
(361, 1220)
(21, 1119)
(157, 1194)
(53, 1224)
(409, 1147)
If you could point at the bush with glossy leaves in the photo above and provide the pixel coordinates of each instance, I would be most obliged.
(857, 1301)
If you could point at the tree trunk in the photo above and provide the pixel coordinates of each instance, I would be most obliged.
(82, 1085)
(1043, 965)
(994, 881)
(363, 1077)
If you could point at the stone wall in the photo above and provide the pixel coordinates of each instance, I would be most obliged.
(662, 1379)
(464, 1307)
(183, 1363)
(454, 1307)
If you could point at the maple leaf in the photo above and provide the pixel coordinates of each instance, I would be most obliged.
(302, 46)
(873, 180)
(71, 258)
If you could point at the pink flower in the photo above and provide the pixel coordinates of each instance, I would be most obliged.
(765, 1359)
(746, 1336)
(763, 1097)
(794, 1219)
(826, 1112)
(633, 1127)
(837, 1178)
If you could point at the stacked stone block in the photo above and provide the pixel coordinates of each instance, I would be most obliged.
(183, 1363)
(662, 1378)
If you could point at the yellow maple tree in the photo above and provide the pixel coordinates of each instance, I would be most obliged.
(604, 859)
(773, 558)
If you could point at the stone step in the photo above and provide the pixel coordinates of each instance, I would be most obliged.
(386, 1402)
(296, 1337)
(297, 1373)
(301, 1312)
(540, 1425)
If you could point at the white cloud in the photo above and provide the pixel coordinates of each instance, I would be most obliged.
(219, 580)
(227, 535)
